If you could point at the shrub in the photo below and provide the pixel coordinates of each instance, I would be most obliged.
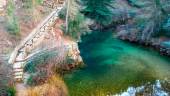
(54, 87)
(39, 59)
(7, 91)
(11, 91)
(62, 14)
(12, 25)
(6, 80)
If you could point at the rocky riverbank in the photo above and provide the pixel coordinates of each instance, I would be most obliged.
(157, 89)
(67, 47)
(159, 44)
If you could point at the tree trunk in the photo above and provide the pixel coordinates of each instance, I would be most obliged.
(67, 15)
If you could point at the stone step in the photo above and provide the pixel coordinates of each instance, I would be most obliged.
(17, 66)
(18, 77)
(18, 70)
(18, 73)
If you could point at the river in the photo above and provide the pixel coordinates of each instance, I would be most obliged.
(113, 65)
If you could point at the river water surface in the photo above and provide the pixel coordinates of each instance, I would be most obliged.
(114, 65)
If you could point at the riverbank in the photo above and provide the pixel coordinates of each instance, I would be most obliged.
(158, 44)
(69, 45)
(156, 89)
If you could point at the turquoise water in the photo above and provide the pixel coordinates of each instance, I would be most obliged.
(114, 65)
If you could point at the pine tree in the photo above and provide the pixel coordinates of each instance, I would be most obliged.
(98, 10)
(75, 21)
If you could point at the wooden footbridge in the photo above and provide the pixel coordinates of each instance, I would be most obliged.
(22, 52)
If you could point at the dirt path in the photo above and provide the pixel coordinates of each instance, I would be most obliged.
(21, 89)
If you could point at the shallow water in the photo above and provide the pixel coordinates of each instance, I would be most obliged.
(114, 65)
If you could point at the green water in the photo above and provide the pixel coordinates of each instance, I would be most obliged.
(113, 65)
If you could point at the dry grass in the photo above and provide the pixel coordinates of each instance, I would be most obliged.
(54, 87)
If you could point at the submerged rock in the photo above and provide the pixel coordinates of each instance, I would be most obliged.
(165, 48)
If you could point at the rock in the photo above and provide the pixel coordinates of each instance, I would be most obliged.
(147, 90)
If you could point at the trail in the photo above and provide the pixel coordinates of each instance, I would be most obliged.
(37, 36)
(21, 89)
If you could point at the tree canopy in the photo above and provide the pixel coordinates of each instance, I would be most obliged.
(98, 10)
